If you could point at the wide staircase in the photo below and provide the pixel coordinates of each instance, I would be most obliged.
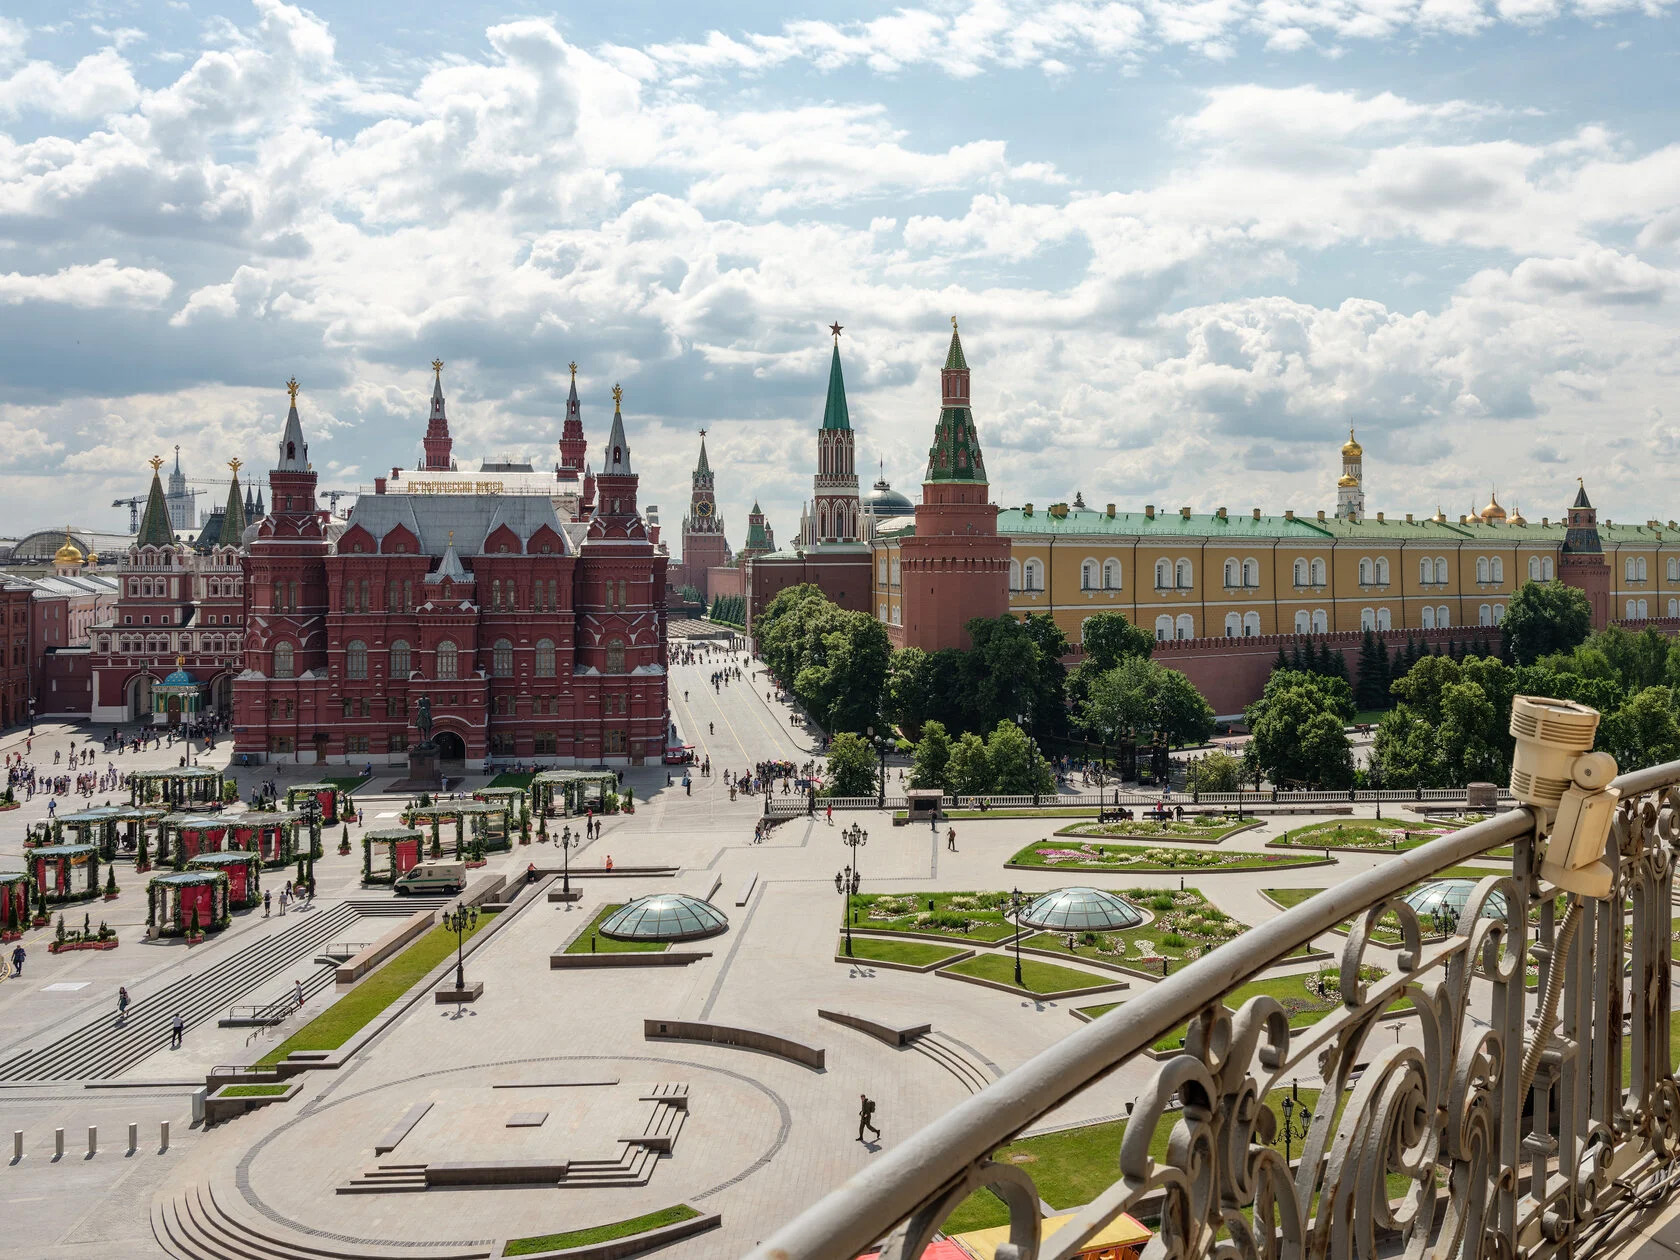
(210, 1222)
(955, 1058)
(103, 1048)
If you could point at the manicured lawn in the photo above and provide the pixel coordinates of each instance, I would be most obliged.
(346, 784)
(252, 1091)
(1371, 834)
(1129, 857)
(356, 1009)
(522, 780)
(606, 944)
(911, 953)
(1040, 976)
(1167, 829)
(975, 915)
(1102, 1009)
(1074, 1166)
(1388, 927)
(1184, 927)
(600, 1233)
(1024, 811)
(1303, 1006)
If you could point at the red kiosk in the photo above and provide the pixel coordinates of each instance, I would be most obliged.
(403, 849)
(243, 871)
(270, 835)
(16, 906)
(173, 901)
(194, 833)
(56, 866)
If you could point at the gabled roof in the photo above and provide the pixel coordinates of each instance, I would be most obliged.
(472, 517)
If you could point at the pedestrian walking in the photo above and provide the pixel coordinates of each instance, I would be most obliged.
(18, 956)
(951, 839)
(177, 1031)
(866, 1116)
(830, 813)
(297, 993)
(268, 902)
(122, 1003)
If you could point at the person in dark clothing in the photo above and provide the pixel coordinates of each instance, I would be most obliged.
(177, 1030)
(866, 1116)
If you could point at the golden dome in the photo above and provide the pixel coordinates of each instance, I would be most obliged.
(93, 557)
(1439, 516)
(1492, 512)
(69, 553)
(1347, 479)
(1517, 517)
(1351, 446)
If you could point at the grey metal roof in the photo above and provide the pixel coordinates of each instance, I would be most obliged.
(665, 917)
(1081, 910)
(472, 517)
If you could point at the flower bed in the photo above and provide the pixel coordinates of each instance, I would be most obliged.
(1306, 999)
(1373, 834)
(1165, 829)
(961, 915)
(67, 946)
(1126, 857)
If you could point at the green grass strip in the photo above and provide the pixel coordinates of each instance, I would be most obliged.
(606, 944)
(363, 1004)
(1039, 976)
(251, 1091)
(911, 953)
(508, 778)
(346, 783)
(600, 1233)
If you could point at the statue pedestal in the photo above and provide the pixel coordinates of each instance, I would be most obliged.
(423, 767)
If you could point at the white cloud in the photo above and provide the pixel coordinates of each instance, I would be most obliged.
(103, 283)
(97, 85)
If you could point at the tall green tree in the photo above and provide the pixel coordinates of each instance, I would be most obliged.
(852, 766)
(1017, 766)
(1140, 696)
(1643, 731)
(931, 765)
(1296, 732)
(969, 771)
(1543, 618)
(1106, 639)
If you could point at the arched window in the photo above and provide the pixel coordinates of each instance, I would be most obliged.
(1301, 573)
(447, 660)
(1481, 568)
(615, 656)
(1163, 628)
(1496, 569)
(545, 658)
(1644, 608)
(1673, 569)
(1426, 570)
(1382, 570)
(1186, 626)
(1303, 621)
(1087, 575)
(1318, 571)
(1384, 621)
(355, 659)
(501, 659)
(399, 659)
(881, 572)
(1364, 571)
(1427, 617)
(1498, 613)
(1251, 625)
(1163, 575)
(1032, 576)
(1251, 573)
(496, 594)
(1182, 577)
(1320, 621)
(283, 660)
(392, 595)
(1673, 611)
(1233, 625)
(1111, 575)
(1484, 615)
(1632, 607)
(367, 595)
(1233, 573)
(1443, 618)
(1546, 568)
(1367, 618)
(1534, 568)
(1642, 568)
(895, 571)
(1441, 570)
(1014, 574)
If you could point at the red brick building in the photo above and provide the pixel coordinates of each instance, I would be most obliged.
(537, 634)
(704, 546)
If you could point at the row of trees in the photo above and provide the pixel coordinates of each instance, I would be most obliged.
(1006, 762)
(835, 662)
(731, 609)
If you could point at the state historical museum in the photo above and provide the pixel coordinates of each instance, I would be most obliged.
(528, 604)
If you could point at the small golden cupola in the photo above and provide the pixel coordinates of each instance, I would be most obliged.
(1440, 516)
(1351, 446)
(1517, 517)
(69, 556)
(1492, 512)
(1346, 480)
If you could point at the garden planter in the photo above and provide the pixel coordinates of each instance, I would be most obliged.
(6, 938)
(480, 862)
(112, 896)
(40, 920)
(343, 850)
(64, 947)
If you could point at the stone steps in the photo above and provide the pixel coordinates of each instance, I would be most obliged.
(954, 1060)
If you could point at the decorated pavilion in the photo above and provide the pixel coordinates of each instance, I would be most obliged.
(271, 834)
(325, 795)
(179, 697)
(16, 894)
(402, 847)
(178, 899)
(183, 787)
(65, 872)
(491, 822)
(108, 826)
(243, 871)
(577, 791)
(184, 836)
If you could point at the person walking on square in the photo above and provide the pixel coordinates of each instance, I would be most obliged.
(951, 839)
(268, 902)
(866, 1116)
(122, 1003)
(18, 956)
(177, 1031)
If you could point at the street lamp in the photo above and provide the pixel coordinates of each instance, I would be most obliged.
(1017, 903)
(854, 838)
(1289, 1106)
(879, 744)
(566, 843)
(461, 921)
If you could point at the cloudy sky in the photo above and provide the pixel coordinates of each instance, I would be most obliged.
(1190, 242)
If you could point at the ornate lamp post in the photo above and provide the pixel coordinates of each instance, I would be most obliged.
(567, 840)
(1289, 1106)
(461, 921)
(879, 744)
(1018, 901)
(854, 838)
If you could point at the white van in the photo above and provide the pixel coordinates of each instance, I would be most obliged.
(433, 877)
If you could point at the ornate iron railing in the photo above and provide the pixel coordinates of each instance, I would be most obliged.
(1431, 1149)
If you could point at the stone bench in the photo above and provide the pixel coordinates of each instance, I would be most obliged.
(726, 1035)
(742, 897)
(893, 1035)
(401, 1129)
(507, 1172)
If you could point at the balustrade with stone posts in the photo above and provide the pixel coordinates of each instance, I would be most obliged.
(1431, 1147)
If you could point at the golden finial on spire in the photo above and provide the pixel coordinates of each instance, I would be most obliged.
(437, 368)
(451, 538)
(292, 389)
(953, 323)
(156, 461)
(573, 366)
(618, 396)
(236, 465)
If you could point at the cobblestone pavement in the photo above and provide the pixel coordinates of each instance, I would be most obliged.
(764, 1137)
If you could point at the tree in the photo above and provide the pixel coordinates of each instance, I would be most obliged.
(969, 772)
(1142, 696)
(851, 766)
(933, 755)
(1371, 692)
(1015, 670)
(1296, 731)
(907, 696)
(1106, 639)
(1215, 771)
(1545, 617)
(1017, 767)
(1644, 731)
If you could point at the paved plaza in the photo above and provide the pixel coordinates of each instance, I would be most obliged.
(759, 1136)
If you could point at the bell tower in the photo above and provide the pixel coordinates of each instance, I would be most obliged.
(704, 546)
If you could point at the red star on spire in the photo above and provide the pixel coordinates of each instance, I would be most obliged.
(835, 329)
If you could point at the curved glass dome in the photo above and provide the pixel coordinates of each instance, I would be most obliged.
(1081, 910)
(1451, 895)
(883, 500)
(665, 917)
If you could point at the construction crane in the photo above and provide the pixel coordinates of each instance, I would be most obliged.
(333, 496)
(133, 506)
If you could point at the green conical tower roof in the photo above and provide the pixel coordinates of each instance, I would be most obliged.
(233, 519)
(154, 525)
(704, 467)
(954, 357)
(757, 539)
(955, 454)
(835, 414)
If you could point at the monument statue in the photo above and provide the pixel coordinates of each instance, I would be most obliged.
(423, 719)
